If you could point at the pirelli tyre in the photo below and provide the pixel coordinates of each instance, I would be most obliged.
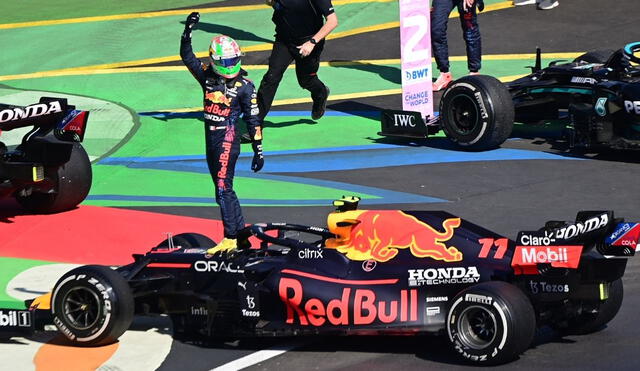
(491, 323)
(593, 321)
(72, 182)
(92, 305)
(477, 113)
(188, 241)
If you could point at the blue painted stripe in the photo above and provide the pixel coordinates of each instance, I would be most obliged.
(338, 158)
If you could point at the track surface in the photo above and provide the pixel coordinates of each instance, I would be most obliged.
(155, 167)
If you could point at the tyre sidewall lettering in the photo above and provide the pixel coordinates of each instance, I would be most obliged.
(483, 106)
(107, 305)
(493, 349)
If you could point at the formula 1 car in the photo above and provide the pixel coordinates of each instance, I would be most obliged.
(45, 173)
(597, 97)
(370, 272)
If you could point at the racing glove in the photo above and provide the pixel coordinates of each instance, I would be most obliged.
(258, 159)
(189, 23)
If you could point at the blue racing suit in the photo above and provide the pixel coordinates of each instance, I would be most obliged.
(224, 101)
(440, 10)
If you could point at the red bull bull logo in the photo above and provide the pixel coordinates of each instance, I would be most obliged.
(218, 97)
(378, 235)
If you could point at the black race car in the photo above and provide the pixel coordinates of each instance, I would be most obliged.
(370, 272)
(45, 173)
(597, 97)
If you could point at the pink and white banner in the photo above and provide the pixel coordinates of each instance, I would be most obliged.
(415, 49)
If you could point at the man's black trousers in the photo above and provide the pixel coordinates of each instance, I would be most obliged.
(282, 54)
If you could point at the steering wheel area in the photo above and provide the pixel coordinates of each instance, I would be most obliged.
(259, 231)
(629, 51)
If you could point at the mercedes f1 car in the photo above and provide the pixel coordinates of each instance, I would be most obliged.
(597, 97)
(45, 173)
(370, 272)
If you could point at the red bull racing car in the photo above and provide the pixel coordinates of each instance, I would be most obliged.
(370, 272)
(48, 171)
(596, 97)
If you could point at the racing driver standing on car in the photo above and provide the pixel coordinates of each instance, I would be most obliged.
(227, 94)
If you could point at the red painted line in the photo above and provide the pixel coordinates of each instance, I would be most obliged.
(168, 265)
(337, 280)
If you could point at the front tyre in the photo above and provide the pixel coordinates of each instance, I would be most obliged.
(491, 323)
(477, 112)
(92, 305)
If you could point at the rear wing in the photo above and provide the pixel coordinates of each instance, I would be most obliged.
(49, 114)
(561, 244)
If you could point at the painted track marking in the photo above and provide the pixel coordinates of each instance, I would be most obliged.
(257, 357)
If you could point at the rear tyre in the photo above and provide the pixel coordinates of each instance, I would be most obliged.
(491, 323)
(595, 56)
(189, 240)
(477, 112)
(72, 182)
(92, 305)
(588, 323)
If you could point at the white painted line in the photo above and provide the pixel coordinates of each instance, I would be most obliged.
(256, 357)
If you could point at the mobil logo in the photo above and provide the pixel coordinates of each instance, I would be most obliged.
(526, 258)
(379, 234)
(345, 302)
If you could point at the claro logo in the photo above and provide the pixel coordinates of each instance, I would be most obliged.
(354, 307)
(34, 110)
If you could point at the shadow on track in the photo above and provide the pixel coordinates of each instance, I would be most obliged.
(235, 33)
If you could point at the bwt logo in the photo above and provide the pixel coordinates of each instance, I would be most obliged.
(632, 106)
(419, 74)
(404, 120)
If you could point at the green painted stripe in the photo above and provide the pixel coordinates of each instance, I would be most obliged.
(9, 268)
(563, 90)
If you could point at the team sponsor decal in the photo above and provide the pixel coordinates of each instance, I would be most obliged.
(625, 234)
(199, 311)
(369, 265)
(601, 107)
(251, 305)
(216, 266)
(308, 253)
(34, 110)
(629, 105)
(15, 318)
(214, 118)
(218, 97)
(229, 137)
(480, 299)
(404, 120)
(584, 80)
(415, 75)
(559, 235)
(379, 234)
(443, 276)
(543, 287)
(432, 311)
(353, 307)
(435, 299)
(526, 258)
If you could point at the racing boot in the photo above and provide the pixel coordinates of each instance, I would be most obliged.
(226, 245)
(319, 105)
(443, 81)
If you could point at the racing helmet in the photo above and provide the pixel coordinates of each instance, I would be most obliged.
(225, 56)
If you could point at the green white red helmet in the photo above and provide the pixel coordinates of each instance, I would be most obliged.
(225, 56)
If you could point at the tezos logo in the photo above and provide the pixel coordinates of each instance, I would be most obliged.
(630, 106)
(438, 276)
(542, 287)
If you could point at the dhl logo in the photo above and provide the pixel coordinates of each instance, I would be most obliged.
(378, 235)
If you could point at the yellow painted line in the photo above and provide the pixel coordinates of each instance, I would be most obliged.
(162, 13)
(104, 69)
(511, 78)
(332, 97)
